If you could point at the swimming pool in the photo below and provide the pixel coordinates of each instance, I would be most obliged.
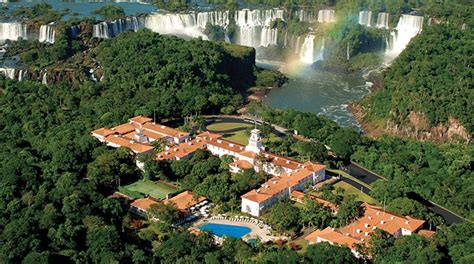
(226, 230)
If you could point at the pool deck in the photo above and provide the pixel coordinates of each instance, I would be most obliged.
(257, 232)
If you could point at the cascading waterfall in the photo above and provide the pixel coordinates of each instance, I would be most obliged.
(255, 27)
(382, 20)
(320, 51)
(348, 54)
(21, 75)
(306, 15)
(269, 36)
(13, 31)
(8, 72)
(44, 80)
(216, 18)
(326, 16)
(174, 24)
(365, 18)
(408, 27)
(311, 50)
(115, 27)
(307, 50)
(47, 33)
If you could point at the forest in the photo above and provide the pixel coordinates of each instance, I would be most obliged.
(432, 77)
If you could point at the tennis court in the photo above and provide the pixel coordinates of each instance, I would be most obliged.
(154, 189)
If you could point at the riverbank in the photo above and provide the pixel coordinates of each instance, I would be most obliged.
(369, 129)
(257, 94)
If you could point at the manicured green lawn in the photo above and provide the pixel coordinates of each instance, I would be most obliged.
(240, 137)
(141, 188)
(349, 189)
(227, 126)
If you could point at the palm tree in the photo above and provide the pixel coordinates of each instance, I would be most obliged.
(433, 220)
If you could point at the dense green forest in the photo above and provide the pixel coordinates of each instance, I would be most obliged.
(186, 77)
(433, 76)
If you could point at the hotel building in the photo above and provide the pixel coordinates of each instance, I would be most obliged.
(288, 175)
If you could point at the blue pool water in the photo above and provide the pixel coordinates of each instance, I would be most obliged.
(226, 230)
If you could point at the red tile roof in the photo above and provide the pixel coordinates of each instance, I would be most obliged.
(164, 130)
(103, 132)
(426, 233)
(182, 150)
(276, 185)
(140, 119)
(359, 231)
(144, 203)
(242, 164)
(126, 142)
(185, 200)
(124, 128)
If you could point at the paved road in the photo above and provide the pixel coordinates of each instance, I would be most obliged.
(362, 174)
(354, 170)
(368, 177)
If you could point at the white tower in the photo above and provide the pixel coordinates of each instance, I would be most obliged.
(255, 143)
(139, 136)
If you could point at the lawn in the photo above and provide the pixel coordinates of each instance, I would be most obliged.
(240, 137)
(227, 126)
(349, 189)
(140, 188)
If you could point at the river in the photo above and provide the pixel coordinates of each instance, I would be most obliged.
(318, 91)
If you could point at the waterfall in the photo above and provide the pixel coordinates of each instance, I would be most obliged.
(365, 18)
(382, 20)
(174, 24)
(269, 37)
(8, 72)
(21, 74)
(320, 51)
(307, 50)
(13, 31)
(255, 27)
(47, 33)
(326, 16)
(306, 15)
(348, 55)
(311, 50)
(115, 27)
(216, 18)
(298, 41)
(45, 79)
(408, 27)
